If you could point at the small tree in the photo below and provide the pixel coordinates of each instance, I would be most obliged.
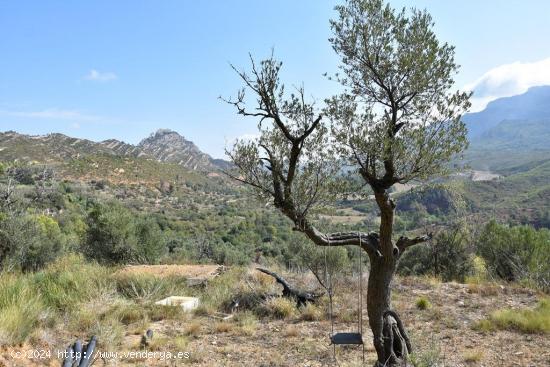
(396, 122)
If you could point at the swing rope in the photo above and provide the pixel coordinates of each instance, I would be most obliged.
(329, 288)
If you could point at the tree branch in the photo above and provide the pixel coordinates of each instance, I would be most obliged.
(404, 242)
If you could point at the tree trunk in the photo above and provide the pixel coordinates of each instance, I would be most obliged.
(389, 337)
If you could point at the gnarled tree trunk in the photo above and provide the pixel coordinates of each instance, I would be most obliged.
(389, 337)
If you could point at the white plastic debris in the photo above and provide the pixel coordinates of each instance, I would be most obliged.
(187, 303)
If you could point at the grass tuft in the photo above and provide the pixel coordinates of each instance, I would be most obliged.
(530, 321)
(279, 307)
(473, 356)
(422, 303)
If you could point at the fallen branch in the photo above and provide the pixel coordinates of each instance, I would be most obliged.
(289, 291)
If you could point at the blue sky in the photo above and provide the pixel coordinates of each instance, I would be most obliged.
(122, 69)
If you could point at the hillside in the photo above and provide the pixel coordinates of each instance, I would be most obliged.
(531, 105)
(164, 146)
(510, 132)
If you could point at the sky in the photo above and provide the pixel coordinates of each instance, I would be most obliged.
(123, 69)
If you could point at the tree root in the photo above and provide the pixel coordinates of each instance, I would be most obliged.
(397, 345)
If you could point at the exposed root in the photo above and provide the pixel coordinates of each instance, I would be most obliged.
(397, 345)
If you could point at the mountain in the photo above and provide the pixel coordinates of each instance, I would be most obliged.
(170, 147)
(164, 146)
(531, 105)
(55, 147)
(521, 135)
(511, 131)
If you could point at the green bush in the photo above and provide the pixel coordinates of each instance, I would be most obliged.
(150, 241)
(28, 242)
(116, 235)
(447, 256)
(111, 234)
(516, 253)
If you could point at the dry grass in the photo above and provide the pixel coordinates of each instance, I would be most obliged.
(280, 307)
(291, 331)
(484, 288)
(192, 329)
(473, 356)
(248, 323)
(224, 327)
(526, 320)
(311, 312)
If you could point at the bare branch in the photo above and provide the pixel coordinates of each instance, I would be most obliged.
(404, 242)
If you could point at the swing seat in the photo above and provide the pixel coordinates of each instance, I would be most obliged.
(347, 338)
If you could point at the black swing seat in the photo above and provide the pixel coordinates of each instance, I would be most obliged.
(347, 338)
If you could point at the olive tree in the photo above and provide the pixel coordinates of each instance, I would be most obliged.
(397, 121)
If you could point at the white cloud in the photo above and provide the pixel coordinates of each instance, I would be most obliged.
(508, 80)
(98, 76)
(51, 113)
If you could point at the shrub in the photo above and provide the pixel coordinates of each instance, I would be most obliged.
(535, 320)
(423, 303)
(247, 322)
(150, 245)
(223, 327)
(116, 235)
(109, 333)
(516, 253)
(473, 356)
(111, 236)
(192, 328)
(447, 256)
(28, 242)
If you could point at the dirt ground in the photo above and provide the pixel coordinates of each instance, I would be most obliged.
(444, 331)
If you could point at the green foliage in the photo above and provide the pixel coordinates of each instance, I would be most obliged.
(28, 242)
(151, 244)
(69, 281)
(516, 253)
(28, 299)
(322, 262)
(20, 309)
(448, 256)
(116, 235)
(278, 307)
(398, 79)
(111, 236)
(422, 303)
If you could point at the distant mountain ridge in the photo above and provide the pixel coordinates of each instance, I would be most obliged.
(164, 146)
(511, 131)
(531, 105)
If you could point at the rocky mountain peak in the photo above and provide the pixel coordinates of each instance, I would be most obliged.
(167, 145)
